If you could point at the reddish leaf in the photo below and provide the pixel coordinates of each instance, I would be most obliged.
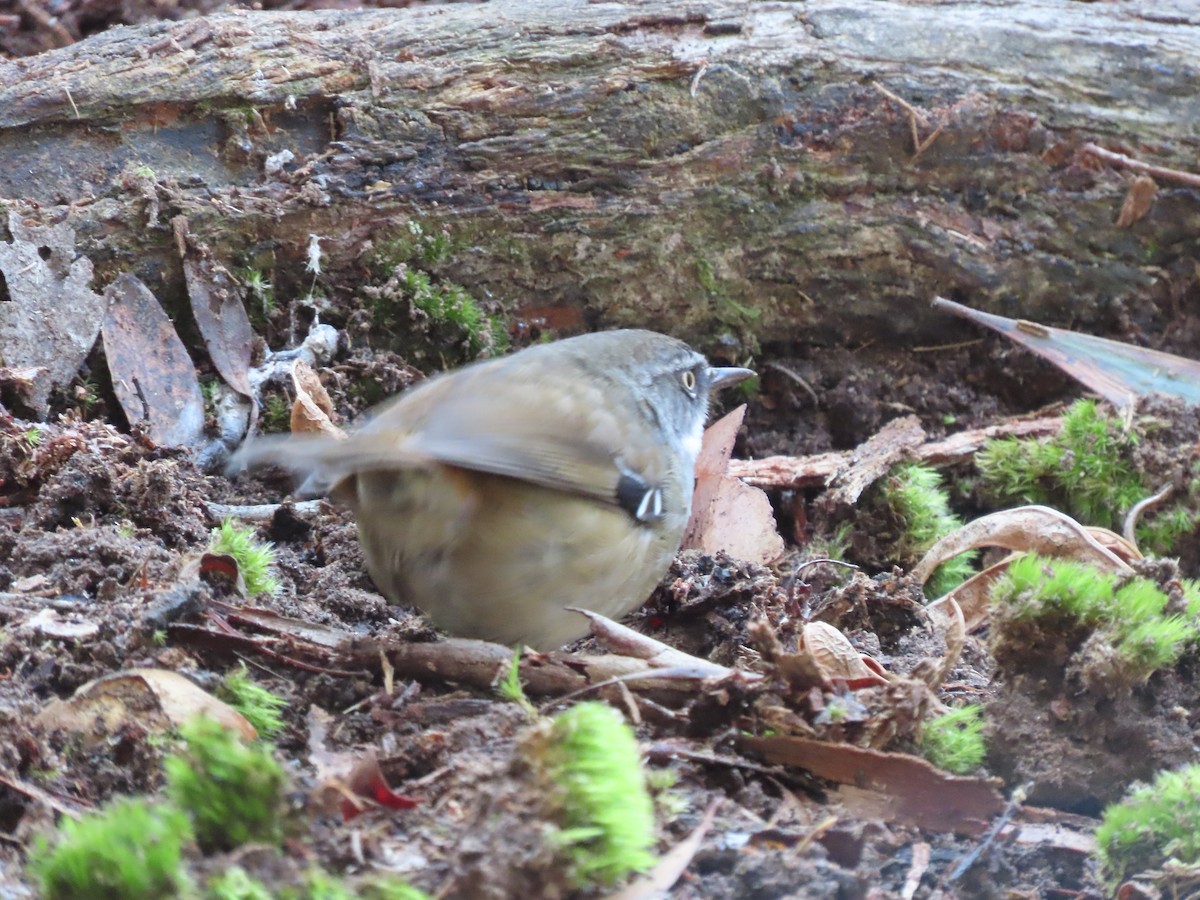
(1116, 371)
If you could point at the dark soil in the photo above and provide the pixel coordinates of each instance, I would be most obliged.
(100, 527)
(101, 530)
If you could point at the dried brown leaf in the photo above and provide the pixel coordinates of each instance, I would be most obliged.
(216, 300)
(711, 464)
(1030, 529)
(152, 374)
(1138, 201)
(1117, 371)
(152, 699)
(907, 790)
(312, 411)
(972, 597)
(836, 656)
(727, 513)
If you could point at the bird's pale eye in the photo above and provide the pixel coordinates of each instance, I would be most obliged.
(688, 379)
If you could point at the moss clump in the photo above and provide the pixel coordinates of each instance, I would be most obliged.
(591, 758)
(1153, 824)
(130, 850)
(510, 688)
(449, 304)
(276, 415)
(954, 741)
(405, 262)
(231, 791)
(1117, 632)
(236, 884)
(1085, 470)
(915, 493)
(260, 707)
(255, 560)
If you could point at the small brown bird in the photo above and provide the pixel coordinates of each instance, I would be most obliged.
(494, 496)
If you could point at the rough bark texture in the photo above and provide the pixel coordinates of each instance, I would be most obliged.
(711, 167)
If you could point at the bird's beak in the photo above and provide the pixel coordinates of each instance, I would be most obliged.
(727, 376)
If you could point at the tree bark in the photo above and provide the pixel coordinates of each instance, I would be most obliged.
(713, 168)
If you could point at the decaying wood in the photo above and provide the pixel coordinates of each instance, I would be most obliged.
(798, 472)
(710, 167)
(871, 460)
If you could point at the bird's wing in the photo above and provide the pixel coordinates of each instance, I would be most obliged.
(564, 437)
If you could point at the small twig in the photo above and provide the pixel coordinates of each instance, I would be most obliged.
(666, 750)
(1127, 162)
(921, 852)
(71, 100)
(927, 143)
(33, 792)
(934, 348)
(52, 23)
(674, 673)
(823, 561)
(262, 512)
(795, 376)
(914, 115)
(627, 642)
(1131, 518)
(965, 864)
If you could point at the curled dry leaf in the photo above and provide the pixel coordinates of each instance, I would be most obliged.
(49, 322)
(956, 638)
(836, 657)
(153, 699)
(312, 412)
(349, 781)
(971, 597)
(1138, 201)
(218, 570)
(1118, 544)
(1029, 529)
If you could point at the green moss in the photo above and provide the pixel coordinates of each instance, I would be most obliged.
(954, 741)
(405, 262)
(260, 707)
(1121, 632)
(509, 687)
(128, 851)
(449, 304)
(416, 246)
(231, 791)
(608, 817)
(1085, 470)
(727, 310)
(236, 883)
(1153, 824)
(261, 294)
(915, 493)
(256, 560)
(276, 414)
